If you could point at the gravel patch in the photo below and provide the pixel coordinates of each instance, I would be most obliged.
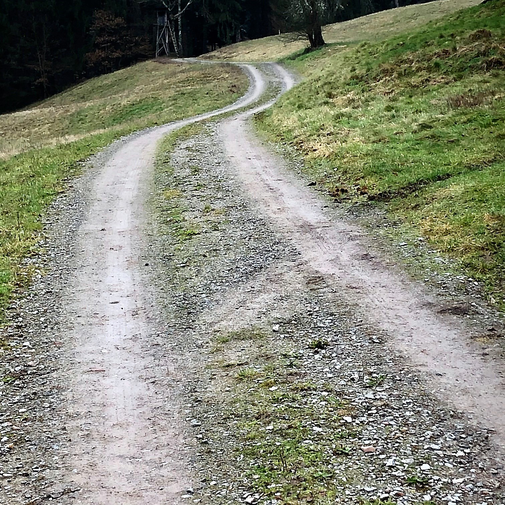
(263, 335)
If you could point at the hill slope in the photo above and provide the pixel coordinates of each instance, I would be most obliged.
(373, 27)
(41, 146)
(417, 122)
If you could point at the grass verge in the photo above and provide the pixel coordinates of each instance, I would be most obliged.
(173, 219)
(416, 123)
(42, 146)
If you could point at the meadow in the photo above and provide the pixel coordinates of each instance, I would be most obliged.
(42, 147)
(414, 123)
(371, 28)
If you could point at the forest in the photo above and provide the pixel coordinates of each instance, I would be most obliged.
(48, 45)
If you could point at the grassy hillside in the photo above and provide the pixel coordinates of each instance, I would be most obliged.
(374, 27)
(41, 146)
(417, 122)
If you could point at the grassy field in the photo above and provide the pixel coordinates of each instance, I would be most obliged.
(41, 146)
(374, 27)
(416, 122)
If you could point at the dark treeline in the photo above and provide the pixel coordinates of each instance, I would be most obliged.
(47, 45)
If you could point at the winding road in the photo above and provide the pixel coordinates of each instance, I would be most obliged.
(109, 323)
(126, 436)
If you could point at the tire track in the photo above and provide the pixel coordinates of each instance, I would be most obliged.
(126, 435)
(439, 345)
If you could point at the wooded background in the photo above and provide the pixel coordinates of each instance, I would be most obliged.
(47, 45)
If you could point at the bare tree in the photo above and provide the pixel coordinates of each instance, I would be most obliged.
(309, 16)
(175, 10)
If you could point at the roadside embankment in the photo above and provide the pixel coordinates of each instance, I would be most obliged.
(415, 125)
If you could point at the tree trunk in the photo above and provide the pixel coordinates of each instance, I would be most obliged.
(179, 12)
(42, 50)
(316, 37)
(315, 33)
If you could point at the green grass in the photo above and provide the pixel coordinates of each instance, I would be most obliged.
(28, 183)
(291, 447)
(417, 123)
(147, 94)
(41, 147)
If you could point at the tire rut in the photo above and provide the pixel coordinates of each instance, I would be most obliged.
(343, 253)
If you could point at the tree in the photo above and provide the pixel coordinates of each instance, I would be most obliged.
(257, 20)
(114, 45)
(176, 10)
(309, 16)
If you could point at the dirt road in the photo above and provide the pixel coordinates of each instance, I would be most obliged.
(343, 253)
(130, 358)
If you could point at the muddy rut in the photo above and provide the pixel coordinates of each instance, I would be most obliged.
(123, 404)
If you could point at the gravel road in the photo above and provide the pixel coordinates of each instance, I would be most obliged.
(342, 252)
(121, 375)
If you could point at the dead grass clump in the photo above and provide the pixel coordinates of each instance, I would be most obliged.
(467, 100)
(493, 63)
(444, 53)
(481, 34)
(495, 222)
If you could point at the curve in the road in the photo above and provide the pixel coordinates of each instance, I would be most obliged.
(126, 441)
(387, 298)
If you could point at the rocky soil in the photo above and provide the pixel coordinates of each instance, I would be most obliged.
(265, 384)
(279, 358)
